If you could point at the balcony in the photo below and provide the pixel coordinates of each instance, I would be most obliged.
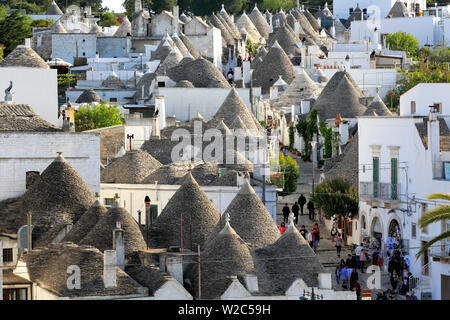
(379, 191)
(441, 250)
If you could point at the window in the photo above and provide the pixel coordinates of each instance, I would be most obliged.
(7, 255)
(84, 54)
(161, 84)
(113, 100)
(413, 230)
(424, 209)
(30, 178)
(108, 202)
(438, 106)
(394, 179)
(356, 225)
(376, 168)
(413, 107)
(15, 294)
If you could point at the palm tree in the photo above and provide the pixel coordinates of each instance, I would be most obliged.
(440, 213)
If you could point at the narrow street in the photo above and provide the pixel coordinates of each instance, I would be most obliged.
(327, 251)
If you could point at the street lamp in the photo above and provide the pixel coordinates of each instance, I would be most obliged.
(313, 146)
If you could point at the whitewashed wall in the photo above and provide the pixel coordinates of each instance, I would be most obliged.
(29, 151)
(36, 87)
(184, 103)
(425, 95)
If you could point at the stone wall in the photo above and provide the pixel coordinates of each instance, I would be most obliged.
(111, 139)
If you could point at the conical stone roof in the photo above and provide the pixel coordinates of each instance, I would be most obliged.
(200, 72)
(216, 22)
(312, 20)
(223, 128)
(184, 83)
(96, 29)
(198, 213)
(101, 236)
(172, 60)
(86, 223)
(225, 255)
(132, 168)
(185, 18)
(250, 219)
(234, 106)
(180, 45)
(288, 41)
(259, 22)
(190, 46)
(275, 63)
(57, 198)
(239, 125)
(58, 27)
(245, 22)
(302, 88)
(319, 76)
(113, 81)
(398, 10)
(23, 56)
(89, 96)
(306, 25)
(53, 9)
(234, 30)
(344, 100)
(163, 50)
(379, 107)
(278, 265)
(124, 29)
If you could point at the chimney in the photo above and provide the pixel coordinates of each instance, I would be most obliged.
(251, 282)
(433, 135)
(116, 201)
(109, 269)
(137, 5)
(161, 107)
(343, 131)
(333, 30)
(273, 93)
(119, 245)
(176, 15)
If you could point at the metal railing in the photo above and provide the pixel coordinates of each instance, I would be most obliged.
(379, 190)
(426, 269)
(442, 250)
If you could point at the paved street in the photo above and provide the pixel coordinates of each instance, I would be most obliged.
(327, 251)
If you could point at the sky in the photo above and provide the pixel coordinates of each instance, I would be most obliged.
(114, 5)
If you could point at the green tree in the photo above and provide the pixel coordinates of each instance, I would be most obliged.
(327, 134)
(421, 74)
(13, 31)
(288, 175)
(307, 129)
(42, 23)
(336, 196)
(96, 5)
(441, 213)
(108, 19)
(403, 42)
(275, 5)
(97, 116)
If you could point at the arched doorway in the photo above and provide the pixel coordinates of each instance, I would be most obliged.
(363, 228)
(394, 232)
(377, 230)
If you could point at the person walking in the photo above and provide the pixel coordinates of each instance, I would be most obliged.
(295, 209)
(316, 237)
(334, 232)
(394, 280)
(344, 277)
(286, 212)
(357, 288)
(338, 245)
(230, 76)
(301, 202)
(282, 227)
(304, 232)
(363, 259)
(353, 278)
(310, 237)
(310, 207)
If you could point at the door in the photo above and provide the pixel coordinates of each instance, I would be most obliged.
(394, 178)
(376, 176)
(445, 287)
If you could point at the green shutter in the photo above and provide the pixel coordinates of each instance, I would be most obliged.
(376, 175)
(394, 178)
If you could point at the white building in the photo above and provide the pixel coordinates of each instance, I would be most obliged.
(341, 8)
(402, 160)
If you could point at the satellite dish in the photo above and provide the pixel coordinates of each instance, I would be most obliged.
(73, 10)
